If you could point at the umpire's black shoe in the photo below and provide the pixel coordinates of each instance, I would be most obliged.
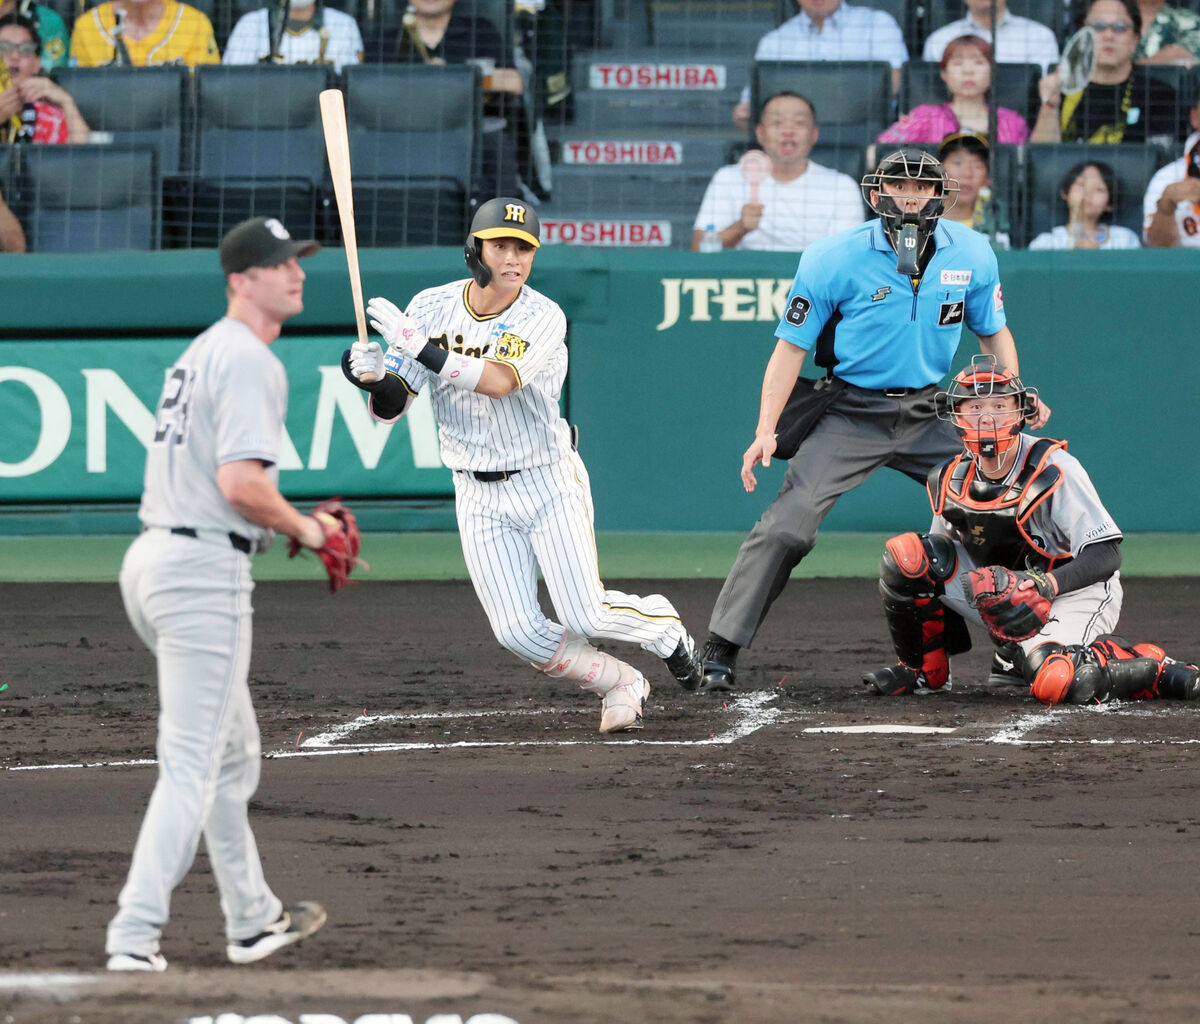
(685, 664)
(720, 664)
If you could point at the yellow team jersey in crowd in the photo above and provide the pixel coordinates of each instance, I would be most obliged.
(183, 36)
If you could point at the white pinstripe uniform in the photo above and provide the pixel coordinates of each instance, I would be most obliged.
(1066, 522)
(541, 515)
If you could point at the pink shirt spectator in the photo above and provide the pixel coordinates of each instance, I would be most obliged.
(930, 123)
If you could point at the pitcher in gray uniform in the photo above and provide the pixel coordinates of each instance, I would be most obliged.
(210, 502)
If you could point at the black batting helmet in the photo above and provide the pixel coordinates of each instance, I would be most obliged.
(984, 435)
(503, 217)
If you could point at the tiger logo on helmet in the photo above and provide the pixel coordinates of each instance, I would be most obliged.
(992, 432)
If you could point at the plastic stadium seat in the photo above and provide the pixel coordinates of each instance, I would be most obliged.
(1046, 164)
(89, 198)
(260, 149)
(134, 105)
(921, 82)
(414, 150)
(853, 99)
(712, 26)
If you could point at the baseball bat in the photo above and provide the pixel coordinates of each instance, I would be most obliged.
(337, 148)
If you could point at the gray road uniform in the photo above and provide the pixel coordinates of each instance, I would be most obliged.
(186, 585)
(1044, 512)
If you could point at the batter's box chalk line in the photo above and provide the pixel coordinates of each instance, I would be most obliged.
(1018, 732)
(749, 711)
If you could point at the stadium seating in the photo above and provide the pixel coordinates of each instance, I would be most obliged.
(260, 148)
(852, 99)
(415, 160)
(921, 82)
(1054, 14)
(1046, 164)
(89, 198)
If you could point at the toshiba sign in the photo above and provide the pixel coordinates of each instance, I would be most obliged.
(656, 76)
(655, 233)
(618, 151)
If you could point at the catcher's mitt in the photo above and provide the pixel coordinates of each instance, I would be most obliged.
(339, 553)
(1009, 614)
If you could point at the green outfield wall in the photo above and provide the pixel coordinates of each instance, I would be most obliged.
(667, 352)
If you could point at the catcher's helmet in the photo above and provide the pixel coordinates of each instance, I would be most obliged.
(499, 218)
(909, 164)
(984, 435)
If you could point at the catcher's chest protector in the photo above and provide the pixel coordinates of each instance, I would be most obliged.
(991, 517)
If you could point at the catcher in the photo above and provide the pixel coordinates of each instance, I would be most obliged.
(1021, 544)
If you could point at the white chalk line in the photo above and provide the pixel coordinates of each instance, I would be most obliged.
(750, 708)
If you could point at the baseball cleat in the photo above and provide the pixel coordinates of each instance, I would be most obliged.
(621, 709)
(155, 962)
(296, 922)
(1004, 673)
(901, 681)
(685, 664)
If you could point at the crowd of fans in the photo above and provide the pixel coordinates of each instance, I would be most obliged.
(790, 200)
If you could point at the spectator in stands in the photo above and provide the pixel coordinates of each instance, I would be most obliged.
(1172, 202)
(314, 34)
(965, 158)
(51, 29)
(967, 71)
(1090, 190)
(1016, 40)
(796, 203)
(1121, 103)
(433, 32)
(831, 30)
(1170, 35)
(45, 110)
(12, 235)
(143, 32)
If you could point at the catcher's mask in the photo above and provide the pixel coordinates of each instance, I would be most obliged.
(986, 435)
(499, 218)
(909, 232)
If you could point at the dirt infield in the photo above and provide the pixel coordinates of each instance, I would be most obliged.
(482, 850)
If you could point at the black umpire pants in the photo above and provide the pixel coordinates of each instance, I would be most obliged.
(862, 431)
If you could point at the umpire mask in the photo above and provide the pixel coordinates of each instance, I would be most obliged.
(909, 231)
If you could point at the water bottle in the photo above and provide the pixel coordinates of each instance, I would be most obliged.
(710, 241)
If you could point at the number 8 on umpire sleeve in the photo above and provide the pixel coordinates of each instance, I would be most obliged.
(797, 311)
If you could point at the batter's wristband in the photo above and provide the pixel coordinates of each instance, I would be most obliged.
(432, 357)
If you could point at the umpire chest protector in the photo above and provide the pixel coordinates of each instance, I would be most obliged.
(992, 517)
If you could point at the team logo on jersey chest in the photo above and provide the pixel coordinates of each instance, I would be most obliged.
(510, 347)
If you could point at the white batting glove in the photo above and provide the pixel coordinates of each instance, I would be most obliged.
(398, 330)
(366, 358)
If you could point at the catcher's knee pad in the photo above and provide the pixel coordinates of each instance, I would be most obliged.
(592, 669)
(912, 578)
(915, 563)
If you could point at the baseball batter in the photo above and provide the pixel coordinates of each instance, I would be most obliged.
(210, 502)
(493, 351)
(1039, 557)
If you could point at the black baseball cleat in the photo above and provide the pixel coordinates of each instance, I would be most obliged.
(720, 663)
(1179, 681)
(1004, 672)
(685, 664)
(901, 681)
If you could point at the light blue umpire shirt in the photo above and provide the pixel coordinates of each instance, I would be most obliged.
(888, 331)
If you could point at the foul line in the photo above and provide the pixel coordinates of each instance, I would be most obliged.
(750, 709)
